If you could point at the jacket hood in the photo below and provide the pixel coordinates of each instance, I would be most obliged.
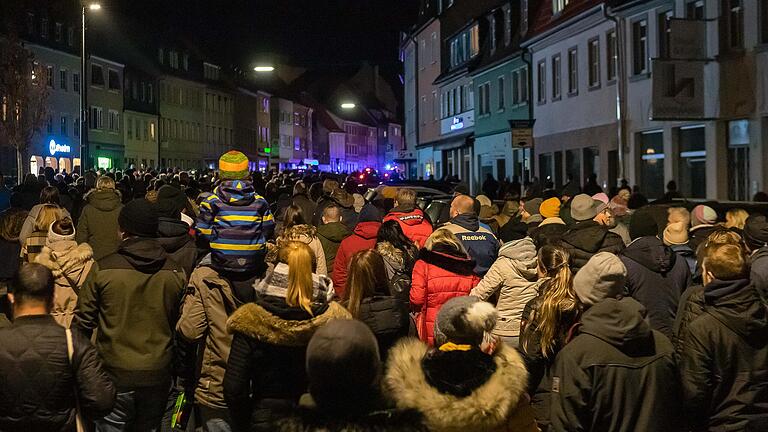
(367, 230)
(334, 232)
(409, 215)
(587, 236)
(104, 199)
(683, 250)
(256, 322)
(144, 254)
(651, 253)
(236, 192)
(486, 408)
(391, 253)
(172, 234)
(65, 258)
(620, 323)
(738, 306)
(523, 255)
(449, 260)
(467, 221)
(300, 232)
(552, 220)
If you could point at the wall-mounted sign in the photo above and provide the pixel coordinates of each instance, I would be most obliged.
(311, 162)
(457, 123)
(54, 147)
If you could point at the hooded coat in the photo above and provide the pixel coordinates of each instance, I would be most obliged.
(306, 234)
(481, 244)
(438, 276)
(268, 356)
(98, 225)
(724, 359)
(29, 223)
(306, 205)
(363, 237)
(411, 219)
(330, 236)
(656, 278)
(513, 276)
(617, 375)
(70, 263)
(698, 235)
(587, 238)
(399, 267)
(173, 236)
(487, 394)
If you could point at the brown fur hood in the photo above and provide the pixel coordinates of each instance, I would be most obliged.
(390, 253)
(66, 257)
(303, 233)
(256, 322)
(488, 408)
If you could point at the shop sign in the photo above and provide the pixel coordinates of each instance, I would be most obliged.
(55, 147)
(522, 133)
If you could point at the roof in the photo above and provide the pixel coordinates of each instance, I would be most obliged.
(541, 19)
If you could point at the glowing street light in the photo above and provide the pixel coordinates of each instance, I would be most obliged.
(348, 105)
(264, 68)
(94, 6)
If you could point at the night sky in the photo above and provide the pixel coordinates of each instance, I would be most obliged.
(302, 32)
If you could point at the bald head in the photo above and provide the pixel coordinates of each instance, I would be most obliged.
(33, 284)
(331, 214)
(462, 204)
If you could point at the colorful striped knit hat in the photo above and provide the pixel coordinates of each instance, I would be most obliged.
(233, 165)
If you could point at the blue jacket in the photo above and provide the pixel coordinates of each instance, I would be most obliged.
(479, 241)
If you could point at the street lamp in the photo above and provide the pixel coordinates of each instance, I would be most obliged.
(84, 154)
(264, 68)
(348, 105)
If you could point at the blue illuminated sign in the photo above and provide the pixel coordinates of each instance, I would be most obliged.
(55, 147)
(458, 123)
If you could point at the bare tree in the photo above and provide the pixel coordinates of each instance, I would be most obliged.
(23, 96)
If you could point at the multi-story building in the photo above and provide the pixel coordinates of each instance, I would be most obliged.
(302, 136)
(140, 119)
(281, 131)
(105, 108)
(247, 126)
(264, 123)
(219, 115)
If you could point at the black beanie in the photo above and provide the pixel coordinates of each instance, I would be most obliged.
(170, 201)
(756, 231)
(138, 218)
(645, 222)
(370, 213)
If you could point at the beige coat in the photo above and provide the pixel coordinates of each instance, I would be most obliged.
(70, 264)
(305, 234)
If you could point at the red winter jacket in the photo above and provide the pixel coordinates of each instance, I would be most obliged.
(363, 237)
(437, 278)
(415, 226)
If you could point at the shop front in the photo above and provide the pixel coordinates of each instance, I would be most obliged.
(62, 156)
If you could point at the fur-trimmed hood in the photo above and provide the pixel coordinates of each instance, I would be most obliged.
(303, 233)
(391, 254)
(488, 407)
(254, 321)
(66, 258)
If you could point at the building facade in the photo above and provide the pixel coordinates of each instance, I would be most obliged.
(246, 123)
(140, 119)
(282, 131)
(181, 123)
(302, 136)
(105, 110)
(219, 115)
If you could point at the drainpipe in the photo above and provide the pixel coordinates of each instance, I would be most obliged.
(621, 89)
(527, 57)
(417, 111)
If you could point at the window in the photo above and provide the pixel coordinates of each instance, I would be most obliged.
(160, 55)
(64, 125)
(76, 127)
(520, 86)
(593, 54)
(96, 119)
(435, 48)
(97, 75)
(507, 25)
(44, 28)
(129, 128)
(114, 80)
(556, 72)
(474, 40)
(485, 98)
(145, 128)
(58, 31)
(692, 172)
(663, 27)
(49, 127)
(186, 62)
(763, 21)
(611, 58)
(639, 47)
(30, 23)
(733, 10)
(738, 160)
(434, 106)
(143, 91)
(541, 82)
(152, 131)
(501, 93)
(422, 53)
(695, 10)
(63, 79)
(173, 59)
(652, 163)
(573, 71)
(70, 36)
(558, 6)
(492, 31)
(49, 76)
(150, 93)
(114, 121)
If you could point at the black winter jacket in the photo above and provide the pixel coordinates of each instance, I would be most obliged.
(173, 236)
(315, 420)
(548, 234)
(656, 278)
(698, 235)
(38, 382)
(724, 359)
(587, 238)
(388, 319)
(617, 375)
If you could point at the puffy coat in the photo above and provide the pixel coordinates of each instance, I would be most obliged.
(438, 276)
(617, 375)
(29, 223)
(330, 236)
(38, 388)
(388, 319)
(268, 357)
(363, 237)
(411, 219)
(513, 276)
(306, 234)
(685, 252)
(207, 305)
(173, 236)
(724, 359)
(549, 232)
(460, 391)
(98, 225)
(587, 238)
(480, 242)
(656, 278)
(70, 264)
(399, 267)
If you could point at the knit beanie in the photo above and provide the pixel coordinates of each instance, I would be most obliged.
(676, 233)
(756, 231)
(602, 277)
(343, 366)
(170, 201)
(702, 214)
(532, 205)
(550, 208)
(233, 165)
(138, 218)
(464, 320)
(644, 222)
(370, 213)
(602, 197)
(484, 200)
(57, 227)
(678, 214)
(583, 208)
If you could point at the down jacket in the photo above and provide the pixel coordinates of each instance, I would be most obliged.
(438, 276)
(70, 264)
(411, 219)
(587, 238)
(481, 244)
(98, 225)
(513, 276)
(363, 237)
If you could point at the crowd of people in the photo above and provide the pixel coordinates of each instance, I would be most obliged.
(232, 301)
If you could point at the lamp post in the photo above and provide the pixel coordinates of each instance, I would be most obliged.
(85, 157)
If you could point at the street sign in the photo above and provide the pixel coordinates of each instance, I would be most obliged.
(522, 133)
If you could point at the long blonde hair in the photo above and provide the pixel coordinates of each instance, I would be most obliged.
(445, 237)
(365, 279)
(299, 258)
(559, 298)
(49, 213)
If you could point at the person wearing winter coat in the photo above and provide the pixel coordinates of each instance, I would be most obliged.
(443, 271)
(617, 373)
(508, 212)
(399, 255)
(464, 383)
(49, 195)
(266, 368)
(513, 276)
(41, 384)
(295, 228)
(363, 237)
(10, 248)
(35, 243)
(301, 199)
(70, 264)
(551, 229)
(703, 220)
(328, 187)
(586, 236)
(676, 237)
(98, 225)
(341, 199)
(723, 352)
(481, 244)
(173, 233)
(656, 278)
(411, 219)
(331, 233)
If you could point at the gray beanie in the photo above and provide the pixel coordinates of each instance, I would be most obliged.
(602, 277)
(464, 320)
